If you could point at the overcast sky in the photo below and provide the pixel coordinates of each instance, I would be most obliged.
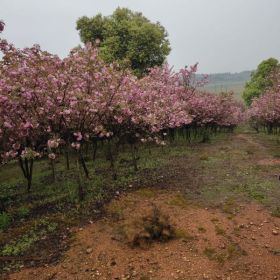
(222, 35)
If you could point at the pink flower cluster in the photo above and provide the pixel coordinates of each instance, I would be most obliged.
(265, 110)
(46, 101)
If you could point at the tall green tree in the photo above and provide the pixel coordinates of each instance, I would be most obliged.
(126, 37)
(260, 79)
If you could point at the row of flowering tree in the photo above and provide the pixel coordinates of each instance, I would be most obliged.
(264, 112)
(51, 106)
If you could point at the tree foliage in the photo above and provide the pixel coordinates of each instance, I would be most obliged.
(50, 106)
(264, 111)
(126, 37)
(260, 79)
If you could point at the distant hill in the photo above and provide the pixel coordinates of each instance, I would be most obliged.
(225, 82)
(221, 78)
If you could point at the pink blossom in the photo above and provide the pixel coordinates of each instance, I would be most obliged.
(52, 156)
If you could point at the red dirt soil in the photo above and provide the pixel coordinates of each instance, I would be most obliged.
(210, 244)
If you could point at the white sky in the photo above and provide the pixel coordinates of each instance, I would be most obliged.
(222, 35)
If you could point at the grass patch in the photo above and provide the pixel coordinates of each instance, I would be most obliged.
(5, 221)
(230, 206)
(179, 201)
(147, 192)
(182, 234)
(275, 251)
(115, 211)
(234, 250)
(210, 253)
(276, 212)
(201, 229)
(22, 212)
(219, 231)
(22, 245)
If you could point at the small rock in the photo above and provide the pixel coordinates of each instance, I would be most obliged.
(275, 232)
(89, 250)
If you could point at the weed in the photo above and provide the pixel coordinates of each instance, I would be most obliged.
(179, 201)
(221, 258)
(156, 227)
(234, 250)
(147, 193)
(115, 211)
(5, 221)
(120, 233)
(276, 212)
(229, 206)
(201, 229)
(22, 212)
(219, 231)
(209, 253)
(275, 252)
(212, 255)
(256, 195)
(24, 243)
(185, 236)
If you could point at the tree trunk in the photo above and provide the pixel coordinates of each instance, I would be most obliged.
(134, 158)
(83, 163)
(81, 191)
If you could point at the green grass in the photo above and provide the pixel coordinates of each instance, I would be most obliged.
(21, 245)
(5, 221)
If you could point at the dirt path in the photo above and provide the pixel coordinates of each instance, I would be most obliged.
(218, 199)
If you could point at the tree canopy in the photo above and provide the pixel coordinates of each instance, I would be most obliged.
(126, 37)
(260, 80)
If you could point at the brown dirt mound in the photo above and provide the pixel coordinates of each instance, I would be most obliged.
(208, 245)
